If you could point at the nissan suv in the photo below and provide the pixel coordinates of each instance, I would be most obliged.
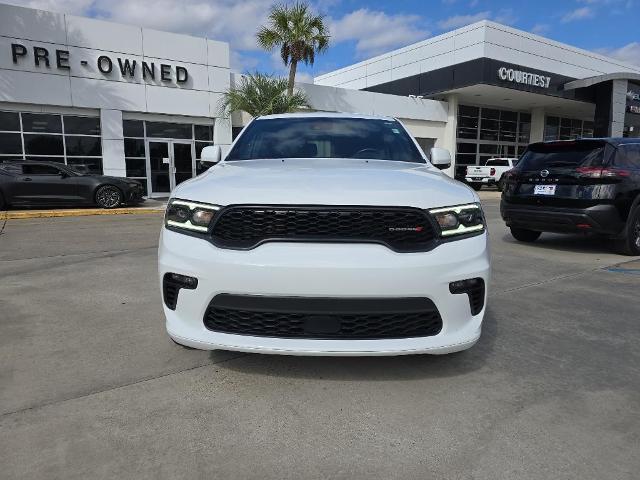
(586, 185)
(324, 234)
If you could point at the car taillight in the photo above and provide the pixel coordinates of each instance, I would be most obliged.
(600, 172)
(493, 172)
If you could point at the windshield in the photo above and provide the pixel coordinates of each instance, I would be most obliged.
(562, 155)
(317, 137)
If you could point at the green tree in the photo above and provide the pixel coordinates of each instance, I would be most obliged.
(260, 94)
(298, 32)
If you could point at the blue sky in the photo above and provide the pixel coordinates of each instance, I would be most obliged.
(361, 29)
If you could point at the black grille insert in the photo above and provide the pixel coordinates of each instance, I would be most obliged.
(403, 229)
(323, 318)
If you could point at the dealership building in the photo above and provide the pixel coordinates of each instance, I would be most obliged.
(136, 102)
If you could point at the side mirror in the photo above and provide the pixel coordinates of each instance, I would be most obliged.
(210, 155)
(440, 158)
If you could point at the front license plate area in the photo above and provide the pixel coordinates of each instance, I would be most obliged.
(544, 189)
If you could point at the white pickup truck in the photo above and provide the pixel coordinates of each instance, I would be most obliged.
(489, 174)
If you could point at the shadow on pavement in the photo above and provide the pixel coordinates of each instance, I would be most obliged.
(402, 367)
(567, 243)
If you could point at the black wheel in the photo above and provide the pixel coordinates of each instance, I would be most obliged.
(476, 186)
(108, 196)
(524, 235)
(630, 243)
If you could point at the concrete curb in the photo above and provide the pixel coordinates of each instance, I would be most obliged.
(24, 214)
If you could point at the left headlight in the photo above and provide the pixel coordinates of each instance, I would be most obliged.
(190, 216)
(459, 220)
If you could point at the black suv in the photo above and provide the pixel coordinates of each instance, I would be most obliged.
(585, 185)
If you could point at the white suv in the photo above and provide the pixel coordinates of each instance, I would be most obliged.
(324, 234)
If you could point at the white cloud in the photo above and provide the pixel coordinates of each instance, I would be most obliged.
(376, 32)
(541, 28)
(461, 20)
(581, 13)
(629, 53)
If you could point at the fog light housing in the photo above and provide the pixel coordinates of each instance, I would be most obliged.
(171, 285)
(474, 288)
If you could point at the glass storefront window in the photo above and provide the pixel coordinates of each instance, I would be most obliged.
(11, 143)
(134, 147)
(203, 132)
(36, 144)
(92, 164)
(557, 128)
(169, 130)
(497, 133)
(9, 122)
(133, 128)
(84, 146)
(81, 125)
(136, 167)
(41, 123)
(46, 137)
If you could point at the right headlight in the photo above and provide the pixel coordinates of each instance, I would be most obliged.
(190, 216)
(459, 219)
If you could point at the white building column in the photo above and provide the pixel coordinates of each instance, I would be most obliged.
(618, 107)
(450, 132)
(537, 125)
(112, 143)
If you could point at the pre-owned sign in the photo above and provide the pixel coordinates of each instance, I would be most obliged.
(526, 78)
(104, 63)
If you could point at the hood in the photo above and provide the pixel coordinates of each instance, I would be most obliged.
(325, 182)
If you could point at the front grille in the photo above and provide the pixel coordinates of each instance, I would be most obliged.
(323, 318)
(402, 229)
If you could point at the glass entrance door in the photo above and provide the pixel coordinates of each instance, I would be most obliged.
(159, 167)
(182, 163)
(170, 163)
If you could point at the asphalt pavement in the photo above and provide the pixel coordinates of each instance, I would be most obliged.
(91, 386)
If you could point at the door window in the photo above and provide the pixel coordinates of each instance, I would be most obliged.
(628, 156)
(40, 170)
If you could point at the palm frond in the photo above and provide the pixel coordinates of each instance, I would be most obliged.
(260, 94)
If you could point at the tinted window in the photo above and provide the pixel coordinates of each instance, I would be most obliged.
(35, 144)
(628, 156)
(133, 128)
(40, 170)
(133, 147)
(317, 137)
(82, 125)
(9, 121)
(203, 132)
(40, 122)
(83, 145)
(10, 143)
(169, 130)
(562, 155)
(498, 163)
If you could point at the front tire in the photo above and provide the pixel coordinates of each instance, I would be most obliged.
(524, 235)
(108, 196)
(476, 186)
(630, 243)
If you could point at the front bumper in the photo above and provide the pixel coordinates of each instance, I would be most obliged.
(324, 270)
(600, 219)
(483, 180)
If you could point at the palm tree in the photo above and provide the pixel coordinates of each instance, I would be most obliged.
(298, 32)
(260, 94)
